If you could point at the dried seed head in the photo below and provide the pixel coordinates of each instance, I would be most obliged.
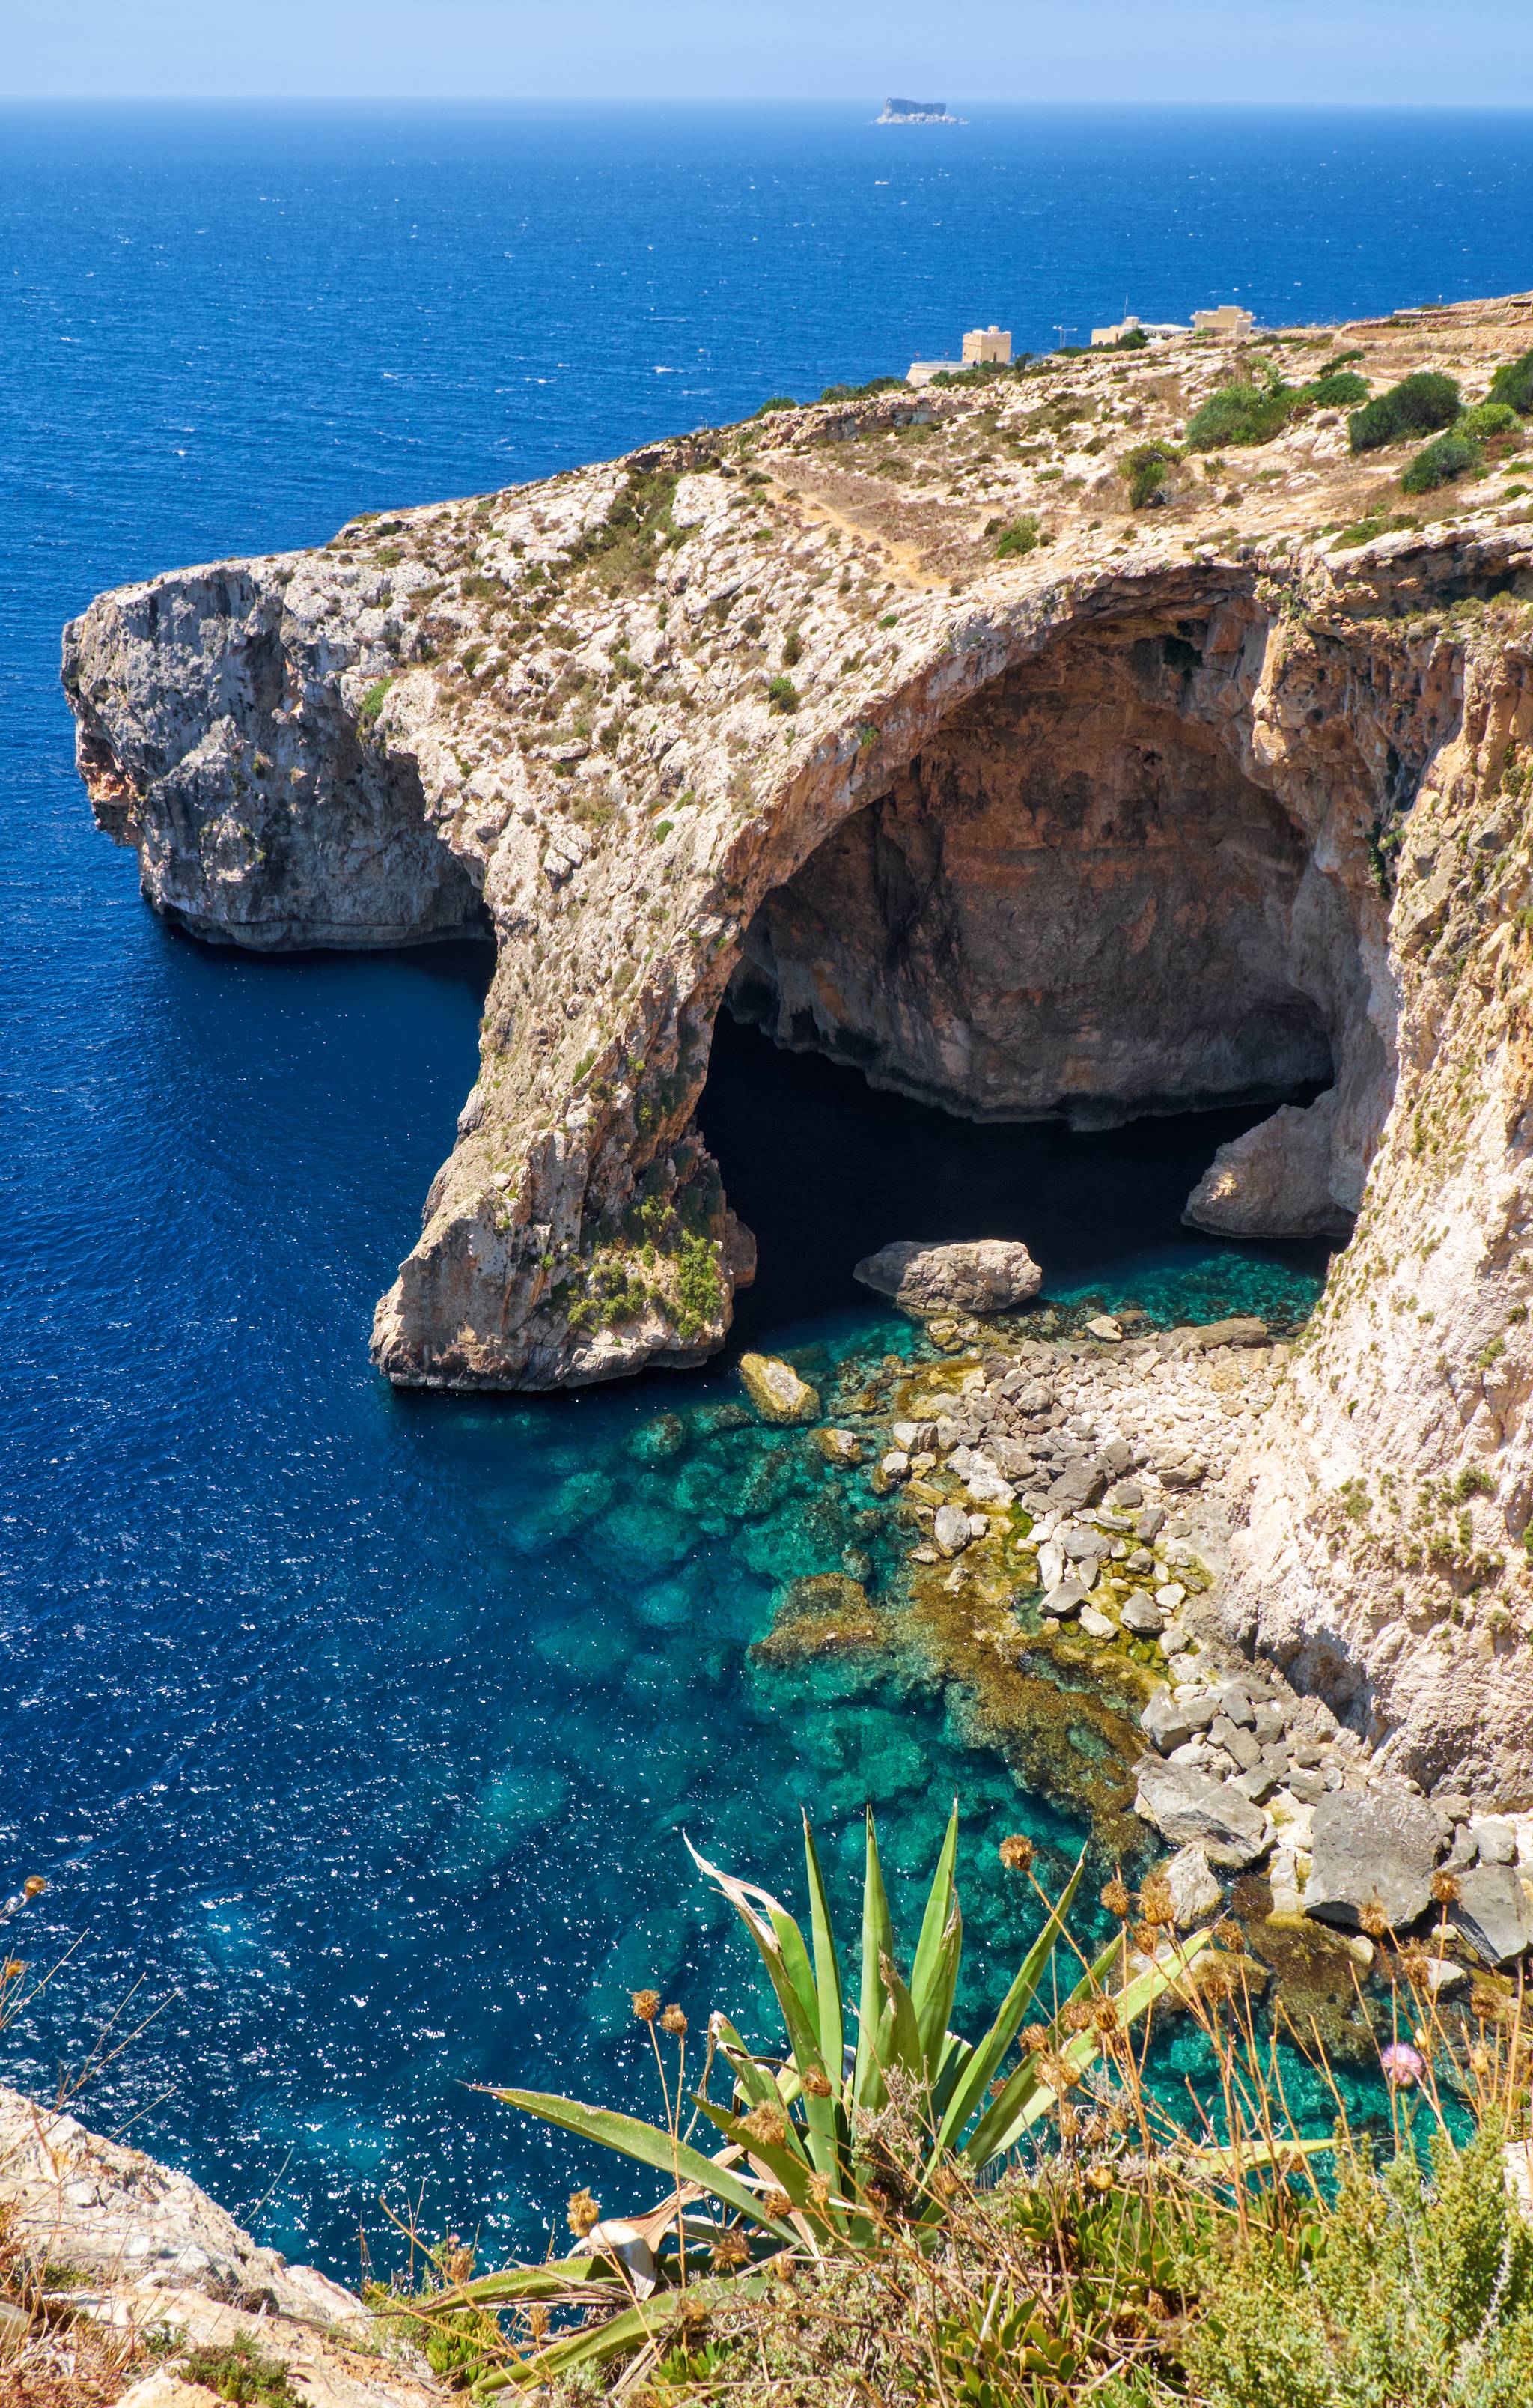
(1116, 1900)
(768, 2125)
(584, 2214)
(34, 1885)
(946, 2181)
(538, 2320)
(646, 2005)
(12, 1970)
(1446, 1888)
(1486, 2003)
(815, 2083)
(1104, 2014)
(1077, 2017)
(1155, 1904)
(728, 2252)
(1215, 1979)
(783, 2266)
(820, 2191)
(1146, 1939)
(1070, 2122)
(674, 2022)
(1227, 1932)
(1016, 1851)
(1035, 2039)
(1099, 2178)
(1375, 1922)
(776, 2202)
(1479, 2062)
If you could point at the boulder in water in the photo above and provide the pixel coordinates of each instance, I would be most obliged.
(776, 1390)
(981, 1275)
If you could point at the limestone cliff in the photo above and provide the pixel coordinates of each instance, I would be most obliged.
(893, 724)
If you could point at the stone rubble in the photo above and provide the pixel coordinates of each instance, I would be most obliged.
(1124, 1451)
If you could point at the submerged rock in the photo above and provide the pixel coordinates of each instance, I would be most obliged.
(776, 1390)
(842, 1446)
(984, 1275)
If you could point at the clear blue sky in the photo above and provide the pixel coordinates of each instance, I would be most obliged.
(973, 51)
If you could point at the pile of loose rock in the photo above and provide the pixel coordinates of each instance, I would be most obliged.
(1117, 1452)
(1098, 1467)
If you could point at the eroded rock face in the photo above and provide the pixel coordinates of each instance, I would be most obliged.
(1149, 816)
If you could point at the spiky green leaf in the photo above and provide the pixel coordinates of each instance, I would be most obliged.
(645, 2143)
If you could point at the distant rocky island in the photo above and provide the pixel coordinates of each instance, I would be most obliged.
(917, 112)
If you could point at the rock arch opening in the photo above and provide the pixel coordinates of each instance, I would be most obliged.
(1078, 899)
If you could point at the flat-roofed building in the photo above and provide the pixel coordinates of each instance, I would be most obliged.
(987, 346)
(922, 371)
(1228, 318)
(1104, 338)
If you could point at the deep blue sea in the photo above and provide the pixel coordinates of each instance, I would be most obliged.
(361, 1730)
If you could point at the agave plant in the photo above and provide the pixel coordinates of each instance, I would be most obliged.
(806, 2166)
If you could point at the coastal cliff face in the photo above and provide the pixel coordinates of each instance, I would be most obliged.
(1219, 799)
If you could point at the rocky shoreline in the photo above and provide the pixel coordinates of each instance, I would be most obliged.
(1092, 1483)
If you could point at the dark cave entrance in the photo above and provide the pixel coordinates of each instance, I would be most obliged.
(1074, 900)
(1073, 911)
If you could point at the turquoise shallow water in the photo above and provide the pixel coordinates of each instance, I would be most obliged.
(363, 1729)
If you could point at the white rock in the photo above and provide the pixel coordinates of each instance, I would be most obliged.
(1195, 1894)
(1172, 1596)
(950, 1529)
(1096, 1625)
(989, 1488)
(1051, 1564)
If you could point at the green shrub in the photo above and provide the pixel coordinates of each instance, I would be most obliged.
(1410, 2290)
(372, 701)
(782, 693)
(793, 649)
(775, 401)
(1514, 384)
(699, 1289)
(1240, 413)
(1146, 469)
(1016, 540)
(1135, 340)
(238, 2370)
(1418, 405)
(1451, 455)
(1487, 418)
(859, 391)
(1337, 390)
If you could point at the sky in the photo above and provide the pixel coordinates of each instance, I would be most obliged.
(973, 52)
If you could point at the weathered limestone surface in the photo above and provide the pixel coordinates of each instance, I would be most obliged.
(150, 2252)
(1181, 805)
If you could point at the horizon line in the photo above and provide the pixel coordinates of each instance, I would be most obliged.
(734, 100)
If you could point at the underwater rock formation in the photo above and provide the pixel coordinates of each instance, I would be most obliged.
(1225, 798)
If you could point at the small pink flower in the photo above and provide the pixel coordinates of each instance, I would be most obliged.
(1402, 2065)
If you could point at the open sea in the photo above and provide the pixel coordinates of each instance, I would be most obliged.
(360, 1731)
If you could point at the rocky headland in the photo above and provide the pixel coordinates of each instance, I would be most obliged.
(999, 743)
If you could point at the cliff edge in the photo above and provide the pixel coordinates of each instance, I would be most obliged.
(893, 724)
